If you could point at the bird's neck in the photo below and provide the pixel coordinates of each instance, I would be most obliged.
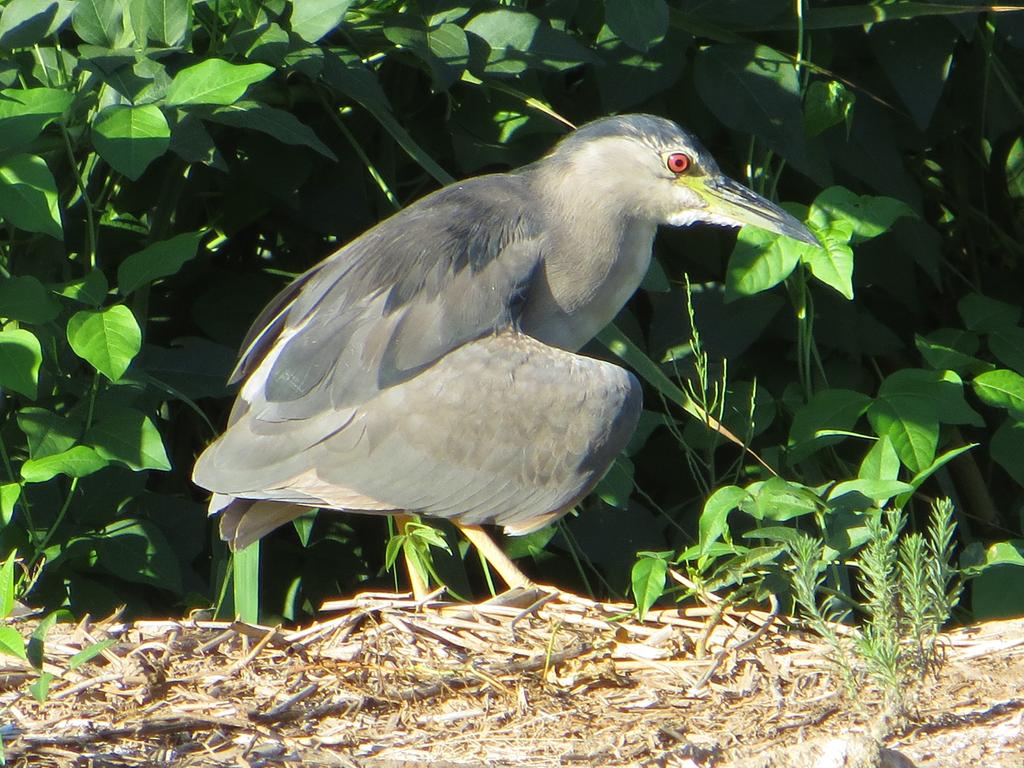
(595, 256)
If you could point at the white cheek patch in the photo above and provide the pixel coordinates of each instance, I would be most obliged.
(685, 218)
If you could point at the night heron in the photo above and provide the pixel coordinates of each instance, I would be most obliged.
(429, 366)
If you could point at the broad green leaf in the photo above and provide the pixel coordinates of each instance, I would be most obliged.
(47, 432)
(283, 126)
(779, 500)
(648, 581)
(25, 112)
(878, 491)
(90, 290)
(761, 260)
(37, 640)
(1007, 448)
(827, 104)
(828, 410)
(1001, 388)
(130, 138)
(26, 300)
(881, 462)
(833, 264)
(7, 585)
(27, 22)
(11, 643)
(130, 437)
(245, 582)
(99, 22)
(951, 349)
(445, 50)
(167, 22)
(107, 338)
(40, 688)
(9, 495)
(754, 89)
(976, 558)
(1007, 344)
(714, 518)
(312, 19)
(519, 41)
(638, 23)
(616, 486)
(192, 142)
(913, 430)
(28, 195)
(20, 359)
(868, 215)
(79, 461)
(158, 260)
(194, 367)
(215, 82)
(137, 551)
(985, 315)
(939, 393)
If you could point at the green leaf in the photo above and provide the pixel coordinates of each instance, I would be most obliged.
(312, 19)
(90, 290)
(1007, 448)
(138, 552)
(648, 579)
(79, 461)
(940, 394)
(167, 22)
(985, 315)
(20, 359)
(1009, 552)
(160, 259)
(245, 582)
(283, 126)
(130, 437)
(130, 138)
(616, 486)
(827, 104)
(99, 22)
(445, 50)
(951, 349)
(761, 260)
(27, 22)
(11, 643)
(9, 495)
(714, 523)
(214, 81)
(108, 339)
(828, 410)
(914, 432)
(28, 195)
(194, 367)
(26, 300)
(878, 491)
(833, 264)
(7, 586)
(90, 652)
(869, 216)
(638, 23)
(40, 689)
(519, 41)
(47, 432)
(1007, 344)
(881, 462)
(754, 89)
(1001, 388)
(24, 113)
(780, 500)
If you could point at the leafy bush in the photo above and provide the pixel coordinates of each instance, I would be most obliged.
(166, 166)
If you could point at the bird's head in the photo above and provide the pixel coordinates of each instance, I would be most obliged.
(649, 167)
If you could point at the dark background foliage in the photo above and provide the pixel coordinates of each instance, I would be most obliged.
(166, 167)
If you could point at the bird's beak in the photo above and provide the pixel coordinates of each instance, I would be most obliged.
(729, 201)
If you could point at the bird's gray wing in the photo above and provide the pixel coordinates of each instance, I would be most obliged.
(503, 430)
(448, 269)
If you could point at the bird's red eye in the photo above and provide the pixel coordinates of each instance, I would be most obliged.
(678, 162)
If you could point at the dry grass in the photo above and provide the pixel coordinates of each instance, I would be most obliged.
(388, 682)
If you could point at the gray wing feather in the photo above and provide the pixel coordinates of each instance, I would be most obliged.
(501, 430)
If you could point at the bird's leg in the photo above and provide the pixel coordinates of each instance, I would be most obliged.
(420, 588)
(492, 553)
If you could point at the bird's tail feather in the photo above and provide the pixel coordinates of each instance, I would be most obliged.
(243, 521)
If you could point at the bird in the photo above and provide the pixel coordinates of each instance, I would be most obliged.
(431, 365)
